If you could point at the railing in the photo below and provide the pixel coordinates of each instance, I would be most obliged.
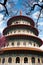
(22, 64)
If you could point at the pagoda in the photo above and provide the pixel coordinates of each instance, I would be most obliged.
(23, 43)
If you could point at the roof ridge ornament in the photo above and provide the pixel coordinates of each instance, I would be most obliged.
(20, 13)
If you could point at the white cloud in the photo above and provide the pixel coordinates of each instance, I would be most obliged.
(41, 15)
(1, 29)
(40, 0)
(1, 7)
(1, 17)
(41, 38)
(36, 14)
(1, 23)
(40, 23)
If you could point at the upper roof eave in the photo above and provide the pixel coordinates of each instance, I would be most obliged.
(20, 17)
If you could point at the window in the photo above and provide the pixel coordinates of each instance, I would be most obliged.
(18, 30)
(23, 30)
(27, 30)
(7, 44)
(30, 42)
(16, 22)
(18, 43)
(33, 60)
(0, 60)
(34, 44)
(23, 21)
(17, 60)
(10, 60)
(12, 43)
(8, 32)
(3, 60)
(25, 60)
(24, 43)
(11, 31)
(38, 60)
(14, 31)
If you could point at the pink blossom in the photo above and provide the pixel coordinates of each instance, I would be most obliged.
(3, 41)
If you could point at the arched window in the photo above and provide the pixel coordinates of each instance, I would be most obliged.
(16, 22)
(11, 31)
(17, 60)
(27, 30)
(30, 42)
(10, 60)
(3, 60)
(8, 32)
(12, 43)
(18, 43)
(34, 44)
(25, 60)
(33, 60)
(38, 60)
(24, 43)
(18, 30)
(23, 30)
(14, 31)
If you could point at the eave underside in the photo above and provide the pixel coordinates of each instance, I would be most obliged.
(21, 50)
(21, 26)
(25, 37)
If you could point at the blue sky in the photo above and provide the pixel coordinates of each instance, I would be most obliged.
(17, 6)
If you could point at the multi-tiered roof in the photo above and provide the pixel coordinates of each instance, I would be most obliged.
(18, 23)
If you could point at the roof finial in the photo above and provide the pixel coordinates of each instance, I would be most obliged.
(20, 12)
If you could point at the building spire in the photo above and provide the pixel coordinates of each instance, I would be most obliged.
(20, 13)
